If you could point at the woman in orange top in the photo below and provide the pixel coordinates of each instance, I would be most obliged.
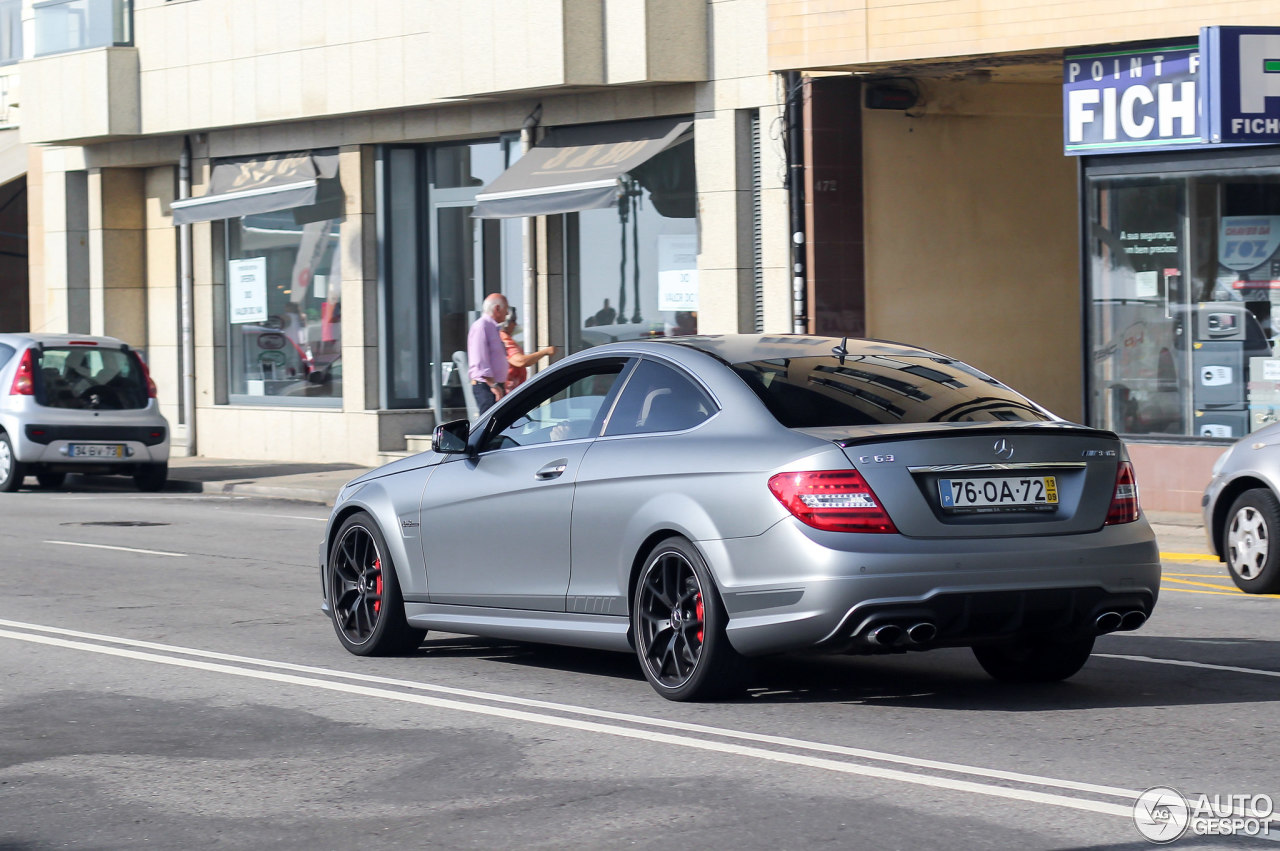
(518, 359)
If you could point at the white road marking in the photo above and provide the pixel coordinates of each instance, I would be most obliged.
(783, 741)
(136, 497)
(609, 729)
(295, 517)
(1262, 672)
(831, 765)
(119, 549)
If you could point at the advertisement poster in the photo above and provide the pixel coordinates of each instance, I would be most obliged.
(678, 272)
(247, 290)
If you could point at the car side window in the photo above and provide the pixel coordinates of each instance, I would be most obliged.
(567, 409)
(658, 398)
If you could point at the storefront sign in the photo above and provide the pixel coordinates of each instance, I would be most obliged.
(1132, 97)
(1243, 74)
(677, 272)
(247, 290)
(1246, 242)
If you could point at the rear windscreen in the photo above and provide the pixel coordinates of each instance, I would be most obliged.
(859, 390)
(91, 378)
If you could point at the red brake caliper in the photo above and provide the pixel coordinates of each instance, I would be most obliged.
(697, 607)
(377, 604)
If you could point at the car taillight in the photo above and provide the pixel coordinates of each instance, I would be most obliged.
(24, 380)
(1124, 502)
(832, 500)
(146, 373)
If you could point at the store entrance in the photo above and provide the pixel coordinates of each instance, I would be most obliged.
(440, 262)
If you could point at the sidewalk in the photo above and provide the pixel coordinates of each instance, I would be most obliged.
(319, 483)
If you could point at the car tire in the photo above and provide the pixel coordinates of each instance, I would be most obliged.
(678, 623)
(12, 471)
(1249, 543)
(365, 604)
(1042, 661)
(51, 481)
(151, 477)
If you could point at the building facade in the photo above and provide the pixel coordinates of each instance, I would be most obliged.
(1053, 193)
(296, 209)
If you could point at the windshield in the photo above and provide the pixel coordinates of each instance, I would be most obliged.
(859, 390)
(89, 377)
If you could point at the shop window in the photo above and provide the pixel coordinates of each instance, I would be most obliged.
(1184, 281)
(284, 309)
(632, 269)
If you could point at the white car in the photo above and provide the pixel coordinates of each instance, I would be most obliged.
(78, 404)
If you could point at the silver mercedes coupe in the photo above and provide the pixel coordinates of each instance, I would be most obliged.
(703, 500)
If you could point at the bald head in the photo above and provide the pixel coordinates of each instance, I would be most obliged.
(493, 303)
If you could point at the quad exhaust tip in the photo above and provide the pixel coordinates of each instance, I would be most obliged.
(1108, 622)
(922, 633)
(1133, 620)
(885, 636)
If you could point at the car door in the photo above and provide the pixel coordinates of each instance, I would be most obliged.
(496, 522)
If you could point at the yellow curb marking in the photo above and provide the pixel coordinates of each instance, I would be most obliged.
(1188, 557)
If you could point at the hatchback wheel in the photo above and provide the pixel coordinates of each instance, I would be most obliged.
(364, 595)
(1041, 661)
(1251, 552)
(679, 626)
(12, 471)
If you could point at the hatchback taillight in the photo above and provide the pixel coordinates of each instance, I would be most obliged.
(146, 374)
(832, 500)
(1124, 501)
(24, 380)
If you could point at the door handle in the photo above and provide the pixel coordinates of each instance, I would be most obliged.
(553, 470)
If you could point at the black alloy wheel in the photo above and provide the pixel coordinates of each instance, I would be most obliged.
(679, 626)
(364, 595)
(12, 471)
(1034, 661)
(1252, 553)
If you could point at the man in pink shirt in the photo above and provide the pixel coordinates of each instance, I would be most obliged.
(486, 355)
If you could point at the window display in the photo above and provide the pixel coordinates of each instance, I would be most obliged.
(633, 269)
(1184, 276)
(284, 310)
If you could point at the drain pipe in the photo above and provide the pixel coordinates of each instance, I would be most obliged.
(795, 198)
(528, 248)
(186, 306)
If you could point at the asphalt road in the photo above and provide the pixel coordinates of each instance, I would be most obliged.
(166, 680)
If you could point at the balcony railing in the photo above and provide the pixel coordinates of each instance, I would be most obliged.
(66, 25)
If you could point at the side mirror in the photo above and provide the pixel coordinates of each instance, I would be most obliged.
(451, 438)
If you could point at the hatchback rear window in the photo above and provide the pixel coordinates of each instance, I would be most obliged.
(91, 378)
(6, 352)
(859, 390)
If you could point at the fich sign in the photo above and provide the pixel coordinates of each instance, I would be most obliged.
(1132, 97)
(1243, 70)
(1220, 89)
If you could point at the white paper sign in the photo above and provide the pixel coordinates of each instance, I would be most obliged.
(1271, 370)
(1146, 284)
(677, 272)
(247, 290)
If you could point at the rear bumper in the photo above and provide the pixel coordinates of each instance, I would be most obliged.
(793, 588)
(52, 445)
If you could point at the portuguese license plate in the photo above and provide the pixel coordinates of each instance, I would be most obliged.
(96, 450)
(999, 493)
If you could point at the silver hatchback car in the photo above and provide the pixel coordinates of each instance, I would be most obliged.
(702, 500)
(77, 403)
(1241, 506)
